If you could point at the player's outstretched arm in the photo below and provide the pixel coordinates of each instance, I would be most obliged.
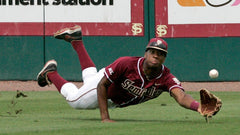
(185, 100)
(102, 99)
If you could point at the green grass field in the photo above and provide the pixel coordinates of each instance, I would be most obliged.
(47, 113)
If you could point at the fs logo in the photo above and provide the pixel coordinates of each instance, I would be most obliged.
(137, 28)
(161, 30)
(191, 3)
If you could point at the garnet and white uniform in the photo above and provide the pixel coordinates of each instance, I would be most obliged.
(129, 85)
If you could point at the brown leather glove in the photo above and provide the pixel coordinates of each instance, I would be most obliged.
(210, 104)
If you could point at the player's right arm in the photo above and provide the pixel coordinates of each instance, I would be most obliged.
(102, 99)
(112, 73)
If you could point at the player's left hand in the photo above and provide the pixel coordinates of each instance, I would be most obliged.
(210, 104)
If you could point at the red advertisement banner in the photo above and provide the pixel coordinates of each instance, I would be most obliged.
(134, 28)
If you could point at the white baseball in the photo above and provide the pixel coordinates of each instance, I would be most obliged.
(213, 73)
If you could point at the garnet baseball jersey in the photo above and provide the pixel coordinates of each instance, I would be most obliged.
(129, 84)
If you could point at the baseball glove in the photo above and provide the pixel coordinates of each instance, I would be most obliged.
(210, 104)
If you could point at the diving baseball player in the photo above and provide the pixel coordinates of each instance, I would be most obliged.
(127, 81)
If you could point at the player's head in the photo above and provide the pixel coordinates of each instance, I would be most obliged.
(158, 44)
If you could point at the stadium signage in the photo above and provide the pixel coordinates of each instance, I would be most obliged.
(212, 3)
(56, 2)
(197, 18)
(97, 17)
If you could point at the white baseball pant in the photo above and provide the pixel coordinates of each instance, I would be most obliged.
(86, 96)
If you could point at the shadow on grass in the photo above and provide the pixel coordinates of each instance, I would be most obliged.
(142, 121)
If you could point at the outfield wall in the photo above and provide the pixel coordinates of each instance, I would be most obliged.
(25, 47)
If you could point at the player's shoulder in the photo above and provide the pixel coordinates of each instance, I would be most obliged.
(167, 73)
(166, 69)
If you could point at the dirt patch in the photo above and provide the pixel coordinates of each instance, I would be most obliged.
(212, 86)
(28, 86)
(188, 86)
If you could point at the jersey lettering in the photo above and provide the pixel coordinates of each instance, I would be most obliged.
(151, 92)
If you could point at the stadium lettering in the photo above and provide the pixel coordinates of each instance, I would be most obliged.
(56, 2)
(23, 2)
(83, 2)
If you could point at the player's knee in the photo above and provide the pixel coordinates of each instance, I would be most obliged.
(78, 105)
(88, 73)
(69, 90)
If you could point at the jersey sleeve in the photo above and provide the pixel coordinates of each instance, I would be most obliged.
(116, 69)
(172, 82)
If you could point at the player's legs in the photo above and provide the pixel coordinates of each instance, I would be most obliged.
(74, 36)
(86, 96)
(88, 67)
(87, 93)
(83, 98)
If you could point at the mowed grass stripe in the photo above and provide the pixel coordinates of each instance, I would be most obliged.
(48, 113)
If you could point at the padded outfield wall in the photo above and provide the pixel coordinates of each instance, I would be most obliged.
(194, 49)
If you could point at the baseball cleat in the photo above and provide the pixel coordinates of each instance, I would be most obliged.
(69, 34)
(42, 78)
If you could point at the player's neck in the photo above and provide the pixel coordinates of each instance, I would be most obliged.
(151, 72)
